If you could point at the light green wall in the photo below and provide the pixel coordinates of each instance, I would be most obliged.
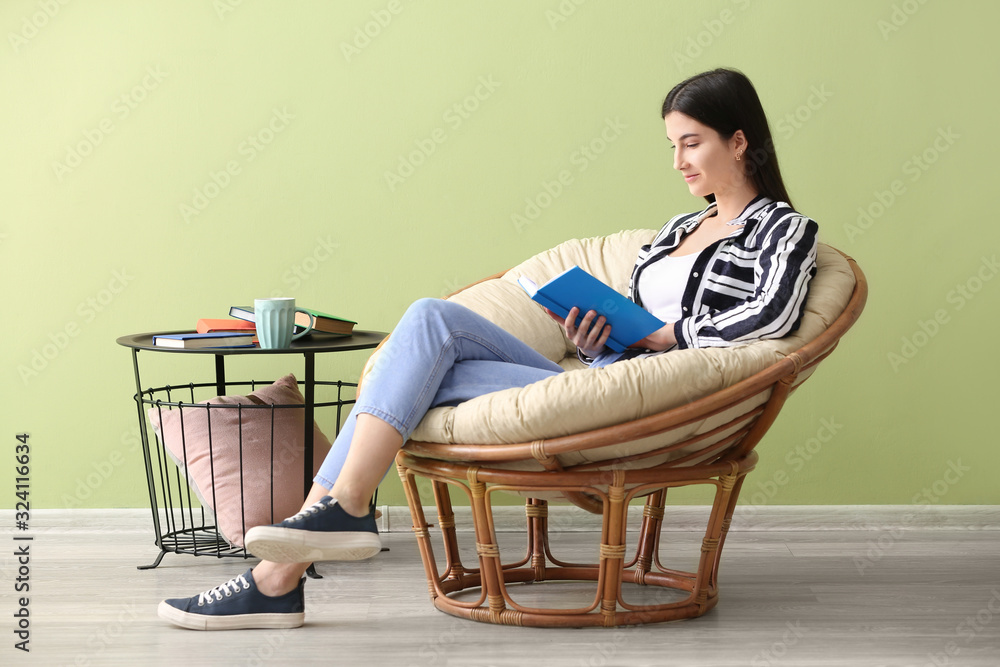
(157, 99)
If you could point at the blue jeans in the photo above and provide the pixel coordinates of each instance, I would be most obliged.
(440, 353)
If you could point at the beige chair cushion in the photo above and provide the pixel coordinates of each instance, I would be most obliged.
(583, 399)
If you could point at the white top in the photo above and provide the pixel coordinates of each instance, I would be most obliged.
(662, 283)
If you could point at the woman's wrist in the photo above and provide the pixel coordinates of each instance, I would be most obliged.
(659, 340)
(668, 337)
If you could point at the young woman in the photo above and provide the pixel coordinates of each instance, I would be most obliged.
(735, 272)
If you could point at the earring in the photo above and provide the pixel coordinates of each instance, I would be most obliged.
(739, 156)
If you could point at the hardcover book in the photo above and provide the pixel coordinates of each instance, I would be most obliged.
(629, 322)
(190, 341)
(208, 325)
(325, 322)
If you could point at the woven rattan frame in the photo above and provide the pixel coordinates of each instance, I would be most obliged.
(603, 489)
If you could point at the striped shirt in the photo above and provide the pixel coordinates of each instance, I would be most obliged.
(748, 286)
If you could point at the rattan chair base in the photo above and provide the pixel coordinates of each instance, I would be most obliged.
(453, 588)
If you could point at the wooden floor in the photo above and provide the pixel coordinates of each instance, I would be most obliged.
(854, 597)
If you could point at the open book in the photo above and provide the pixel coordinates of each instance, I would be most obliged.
(629, 322)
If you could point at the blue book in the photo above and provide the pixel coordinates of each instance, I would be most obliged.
(193, 341)
(629, 322)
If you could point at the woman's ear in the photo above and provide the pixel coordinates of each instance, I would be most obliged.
(738, 142)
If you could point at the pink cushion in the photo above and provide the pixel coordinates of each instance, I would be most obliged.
(189, 447)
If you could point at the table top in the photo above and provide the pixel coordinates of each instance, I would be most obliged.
(314, 342)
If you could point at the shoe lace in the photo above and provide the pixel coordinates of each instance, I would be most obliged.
(234, 585)
(315, 508)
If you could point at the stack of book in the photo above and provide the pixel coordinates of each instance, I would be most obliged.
(241, 331)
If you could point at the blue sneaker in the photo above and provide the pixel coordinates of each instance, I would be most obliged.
(323, 531)
(236, 605)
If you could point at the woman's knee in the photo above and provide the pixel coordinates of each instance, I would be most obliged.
(424, 305)
(427, 308)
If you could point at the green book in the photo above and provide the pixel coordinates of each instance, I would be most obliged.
(325, 323)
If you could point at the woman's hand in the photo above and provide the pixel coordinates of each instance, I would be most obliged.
(661, 339)
(590, 336)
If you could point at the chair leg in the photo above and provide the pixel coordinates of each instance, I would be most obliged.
(490, 567)
(726, 521)
(420, 529)
(454, 569)
(612, 548)
(649, 534)
(706, 584)
(538, 534)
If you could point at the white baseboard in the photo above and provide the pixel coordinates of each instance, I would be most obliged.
(563, 518)
(750, 518)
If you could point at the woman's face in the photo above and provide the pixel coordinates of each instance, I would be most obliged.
(707, 162)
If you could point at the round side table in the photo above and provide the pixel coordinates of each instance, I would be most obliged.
(176, 526)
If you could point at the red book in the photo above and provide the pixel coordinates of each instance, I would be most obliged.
(211, 326)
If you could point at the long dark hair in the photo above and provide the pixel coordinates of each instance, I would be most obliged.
(726, 101)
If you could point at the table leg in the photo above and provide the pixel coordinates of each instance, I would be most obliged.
(310, 415)
(309, 445)
(147, 460)
(220, 375)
